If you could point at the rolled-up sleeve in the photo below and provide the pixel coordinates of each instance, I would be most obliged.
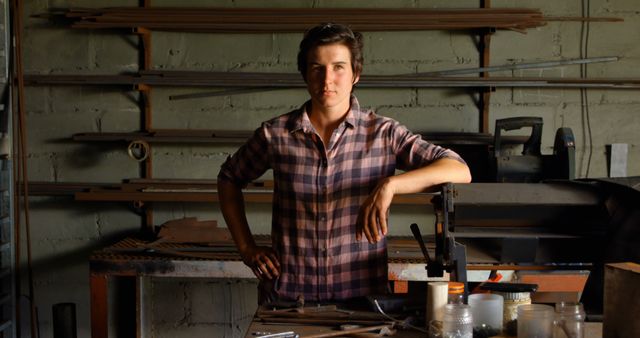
(250, 161)
(413, 152)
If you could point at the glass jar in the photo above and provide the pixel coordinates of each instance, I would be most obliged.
(457, 321)
(486, 309)
(510, 310)
(456, 293)
(569, 321)
(535, 321)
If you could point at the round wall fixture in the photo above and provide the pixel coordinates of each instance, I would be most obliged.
(138, 150)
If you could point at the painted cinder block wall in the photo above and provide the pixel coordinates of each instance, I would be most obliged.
(64, 232)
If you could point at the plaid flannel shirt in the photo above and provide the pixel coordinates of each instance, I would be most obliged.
(318, 191)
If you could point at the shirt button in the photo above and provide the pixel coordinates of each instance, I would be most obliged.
(322, 218)
(324, 189)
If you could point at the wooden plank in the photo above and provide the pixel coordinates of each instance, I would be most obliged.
(621, 300)
(99, 306)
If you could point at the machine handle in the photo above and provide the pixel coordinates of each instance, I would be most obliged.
(418, 236)
(532, 145)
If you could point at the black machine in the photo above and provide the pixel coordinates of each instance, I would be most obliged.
(575, 224)
(494, 158)
(532, 165)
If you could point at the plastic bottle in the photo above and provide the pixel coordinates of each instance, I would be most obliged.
(457, 321)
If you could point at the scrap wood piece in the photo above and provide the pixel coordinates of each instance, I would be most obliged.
(190, 230)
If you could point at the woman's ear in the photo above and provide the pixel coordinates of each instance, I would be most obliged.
(356, 79)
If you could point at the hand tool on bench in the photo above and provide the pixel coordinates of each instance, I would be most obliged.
(287, 334)
(385, 330)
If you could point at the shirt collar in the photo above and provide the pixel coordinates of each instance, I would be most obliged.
(302, 122)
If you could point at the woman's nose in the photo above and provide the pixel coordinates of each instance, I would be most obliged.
(327, 76)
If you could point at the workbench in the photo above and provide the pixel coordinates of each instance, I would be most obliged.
(126, 259)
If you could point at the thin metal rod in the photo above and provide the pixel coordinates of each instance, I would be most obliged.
(221, 93)
(533, 65)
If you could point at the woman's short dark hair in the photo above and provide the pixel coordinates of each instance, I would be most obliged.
(327, 34)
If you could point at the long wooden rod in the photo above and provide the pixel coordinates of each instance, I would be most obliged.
(263, 20)
(22, 154)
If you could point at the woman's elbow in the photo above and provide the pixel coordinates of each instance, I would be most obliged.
(463, 174)
(467, 176)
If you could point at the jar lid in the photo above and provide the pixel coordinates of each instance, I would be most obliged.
(515, 295)
(456, 287)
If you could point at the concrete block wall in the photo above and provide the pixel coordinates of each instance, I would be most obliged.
(65, 232)
(221, 308)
